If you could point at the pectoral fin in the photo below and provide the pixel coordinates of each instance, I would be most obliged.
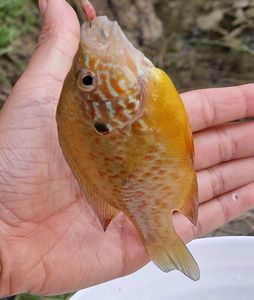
(136, 151)
(104, 211)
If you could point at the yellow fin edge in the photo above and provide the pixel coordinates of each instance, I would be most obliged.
(172, 254)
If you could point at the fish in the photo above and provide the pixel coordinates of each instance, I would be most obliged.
(125, 134)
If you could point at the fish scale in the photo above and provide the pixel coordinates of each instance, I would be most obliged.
(139, 159)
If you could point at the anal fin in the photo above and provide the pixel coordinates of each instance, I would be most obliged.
(169, 254)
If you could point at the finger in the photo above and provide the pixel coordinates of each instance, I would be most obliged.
(223, 143)
(53, 57)
(216, 106)
(89, 10)
(225, 177)
(216, 212)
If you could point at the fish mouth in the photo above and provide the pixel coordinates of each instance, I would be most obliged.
(101, 128)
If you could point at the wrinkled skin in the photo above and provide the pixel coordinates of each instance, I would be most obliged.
(51, 241)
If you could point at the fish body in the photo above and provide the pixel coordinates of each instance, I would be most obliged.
(125, 134)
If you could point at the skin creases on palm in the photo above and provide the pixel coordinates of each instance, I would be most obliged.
(46, 225)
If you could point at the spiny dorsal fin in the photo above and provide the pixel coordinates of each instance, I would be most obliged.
(189, 141)
(190, 206)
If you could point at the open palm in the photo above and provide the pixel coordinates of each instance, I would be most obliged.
(51, 242)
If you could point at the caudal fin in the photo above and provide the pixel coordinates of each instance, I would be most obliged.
(173, 254)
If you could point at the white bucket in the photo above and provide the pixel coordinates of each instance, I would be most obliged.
(227, 273)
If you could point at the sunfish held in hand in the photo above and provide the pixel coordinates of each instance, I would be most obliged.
(124, 132)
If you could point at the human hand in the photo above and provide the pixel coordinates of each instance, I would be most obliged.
(51, 242)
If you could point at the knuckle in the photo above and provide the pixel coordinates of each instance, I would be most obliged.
(217, 182)
(48, 32)
(247, 104)
(227, 146)
(58, 36)
(224, 210)
(209, 111)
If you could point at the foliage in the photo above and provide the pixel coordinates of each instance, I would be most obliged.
(12, 12)
(207, 43)
(19, 23)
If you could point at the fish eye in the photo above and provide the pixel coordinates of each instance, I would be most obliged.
(87, 81)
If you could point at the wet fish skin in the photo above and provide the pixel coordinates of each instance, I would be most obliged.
(141, 163)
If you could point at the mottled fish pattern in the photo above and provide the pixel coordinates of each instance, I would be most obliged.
(125, 134)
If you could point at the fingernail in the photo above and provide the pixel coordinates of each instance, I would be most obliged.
(43, 4)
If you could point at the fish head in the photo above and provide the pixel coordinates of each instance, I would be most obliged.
(111, 75)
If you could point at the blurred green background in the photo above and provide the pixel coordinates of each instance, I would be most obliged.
(204, 44)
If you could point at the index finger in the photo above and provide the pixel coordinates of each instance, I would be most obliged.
(210, 107)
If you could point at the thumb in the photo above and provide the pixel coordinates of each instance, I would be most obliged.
(58, 40)
(49, 65)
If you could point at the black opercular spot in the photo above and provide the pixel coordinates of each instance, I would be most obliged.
(87, 80)
(101, 128)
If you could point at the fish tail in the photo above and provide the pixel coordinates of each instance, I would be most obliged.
(169, 254)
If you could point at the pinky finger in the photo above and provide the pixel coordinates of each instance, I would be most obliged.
(216, 212)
